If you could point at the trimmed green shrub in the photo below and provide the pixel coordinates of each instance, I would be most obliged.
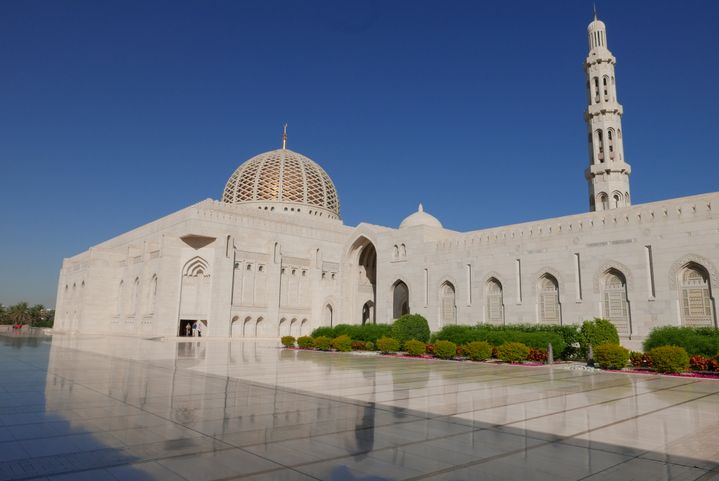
(537, 355)
(512, 352)
(445, 350)
(538, 337)
(670, 359)
(695, 340)
(322, 343)
(288, 341)
(305, 342)
(324, 332)
(411, 326)
(342, 343)
(387, 344)
(369, 345)
(478, 350)
(611, 356)
(367, 332)
(596, 333)
(415, 347)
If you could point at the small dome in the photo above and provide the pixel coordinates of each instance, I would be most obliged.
(285, 181)
(420, 218)
(596, 25)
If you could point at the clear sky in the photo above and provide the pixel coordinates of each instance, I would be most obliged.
(115, 113)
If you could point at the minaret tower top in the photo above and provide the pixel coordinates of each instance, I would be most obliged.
(608, 173)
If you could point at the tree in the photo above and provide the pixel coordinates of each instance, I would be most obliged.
(19, 313)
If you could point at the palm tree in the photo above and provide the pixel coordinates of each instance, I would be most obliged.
(19, 313)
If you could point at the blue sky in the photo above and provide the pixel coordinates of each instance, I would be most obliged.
(115, 113)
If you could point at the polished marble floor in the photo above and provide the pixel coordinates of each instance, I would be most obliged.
(102, 408)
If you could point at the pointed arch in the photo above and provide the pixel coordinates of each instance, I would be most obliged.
(400, 299)
(697, 307)
(447, 304)
(247, 327)
(236, 327)
(615, 302)
(259, 327)
(195, 267)
(549, 309)
(494, 295)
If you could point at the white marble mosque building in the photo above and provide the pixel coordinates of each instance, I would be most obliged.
(273, 256)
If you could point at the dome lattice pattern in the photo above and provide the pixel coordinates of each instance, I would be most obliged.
(284, 180)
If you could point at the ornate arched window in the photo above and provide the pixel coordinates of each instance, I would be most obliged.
(550, 311)
(604, 201)
(495, 302)
(447, 304)
(328, 313)
(615, 306)
(697, 306)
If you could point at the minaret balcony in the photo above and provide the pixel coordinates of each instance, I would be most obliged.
(611, 107)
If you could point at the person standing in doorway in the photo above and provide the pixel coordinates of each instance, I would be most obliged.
(194, 329)
(188, 330)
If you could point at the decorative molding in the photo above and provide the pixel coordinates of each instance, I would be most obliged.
(697, 259)
(493, 274)
(548, 270)
(602, 270)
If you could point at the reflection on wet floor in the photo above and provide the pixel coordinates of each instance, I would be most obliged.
(99, 408)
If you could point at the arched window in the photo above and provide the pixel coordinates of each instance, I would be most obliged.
(400, 299)
(447, 304)
(615, 305)
(596, 90)
(327, 321)
(135, 298)
(610, 139)
(236, 327)
(395, 252)
(495, 302)
(152, 300)
(304, 327)
(604, 201)
(697, 306)
(247, 327)
(605, 85)
(403, 251)
(617, 199)
(258, 327)
(600, 145)
(550, 311)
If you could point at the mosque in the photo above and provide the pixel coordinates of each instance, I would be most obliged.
(272, 257)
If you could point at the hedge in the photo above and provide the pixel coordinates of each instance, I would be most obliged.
(411, 326)
(695, 340)
(478, 350)
(288, 341)
(538, 337)
(387, 344)
(596, 333)
(445, 350)
(342, 343)
(322, 343)
(305, 342)
(611, 356)
(415, 348)
(513, 352)
(669, 359)
(367, 332)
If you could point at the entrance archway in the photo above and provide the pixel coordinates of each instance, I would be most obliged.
(400, 299)
(363, 258)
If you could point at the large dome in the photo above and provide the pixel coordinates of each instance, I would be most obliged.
(283, 180)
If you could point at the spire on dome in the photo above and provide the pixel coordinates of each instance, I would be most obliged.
(284, 137)
(594, 4)
(420, 208)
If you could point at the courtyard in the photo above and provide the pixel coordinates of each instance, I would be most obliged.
(114, 408)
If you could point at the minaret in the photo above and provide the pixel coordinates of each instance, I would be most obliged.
(608, 173)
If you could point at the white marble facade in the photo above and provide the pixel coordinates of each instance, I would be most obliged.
(273, 257)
